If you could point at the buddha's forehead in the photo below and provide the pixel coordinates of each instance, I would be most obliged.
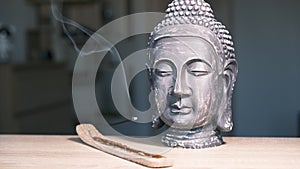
(183, 49)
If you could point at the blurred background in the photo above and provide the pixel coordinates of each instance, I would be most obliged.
(37, 61)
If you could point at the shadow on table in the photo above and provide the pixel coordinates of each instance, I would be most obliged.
(77, 140)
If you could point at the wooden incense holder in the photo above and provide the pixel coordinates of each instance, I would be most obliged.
(91, 136)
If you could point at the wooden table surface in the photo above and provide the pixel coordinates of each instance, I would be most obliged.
(25, 151)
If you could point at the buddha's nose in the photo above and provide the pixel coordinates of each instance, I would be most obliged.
(181, 89)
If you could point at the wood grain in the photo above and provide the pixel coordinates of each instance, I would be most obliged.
(91, 136)
(25, 151)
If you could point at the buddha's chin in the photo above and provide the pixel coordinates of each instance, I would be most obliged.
(185, 121)
(180, 120)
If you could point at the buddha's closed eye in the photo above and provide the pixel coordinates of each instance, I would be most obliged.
(198, 68)
(163, 69)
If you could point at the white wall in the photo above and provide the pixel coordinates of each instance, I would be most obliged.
(20, 14)
(267, 97)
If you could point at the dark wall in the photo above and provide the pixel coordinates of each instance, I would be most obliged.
(266, 33)
(267, 96)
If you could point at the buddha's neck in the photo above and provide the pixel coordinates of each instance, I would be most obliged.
(195, 138)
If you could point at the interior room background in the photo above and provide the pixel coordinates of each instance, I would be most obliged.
(35, 81)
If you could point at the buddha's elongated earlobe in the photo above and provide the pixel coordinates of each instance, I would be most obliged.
(157, 123)
(150, 76)
(230, 72)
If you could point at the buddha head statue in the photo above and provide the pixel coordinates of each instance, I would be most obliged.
(192, 69)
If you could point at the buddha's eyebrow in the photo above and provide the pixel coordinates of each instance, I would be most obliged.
(158, 51)
(198, 60)
(157, 62)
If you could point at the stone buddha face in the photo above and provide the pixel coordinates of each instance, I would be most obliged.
(192, 70)
(188, 80)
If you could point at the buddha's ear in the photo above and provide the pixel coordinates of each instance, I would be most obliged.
(230, 73)
(150, 75)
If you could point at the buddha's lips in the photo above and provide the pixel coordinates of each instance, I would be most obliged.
(181, 104)
(180, 109)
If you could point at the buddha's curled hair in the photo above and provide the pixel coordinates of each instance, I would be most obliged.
(198, 13)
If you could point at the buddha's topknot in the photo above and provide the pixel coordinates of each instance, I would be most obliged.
(199, 13)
